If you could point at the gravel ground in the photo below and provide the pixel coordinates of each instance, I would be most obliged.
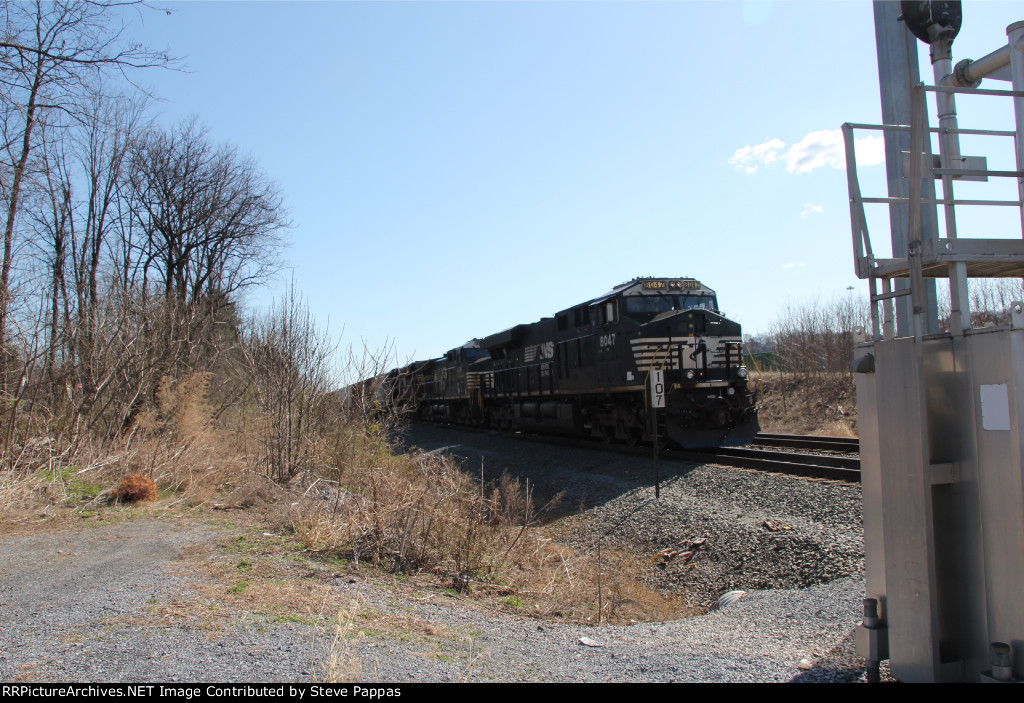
(75, 606)
(142, 599)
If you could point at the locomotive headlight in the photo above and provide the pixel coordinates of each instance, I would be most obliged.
(730, 391)
(690, 373)
(742, 372)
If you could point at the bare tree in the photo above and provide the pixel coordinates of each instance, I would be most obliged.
(49, 53)
(102, 145)
(211, 221)
(77, 228)
(816, 338)
(990, 300)
(53, 223)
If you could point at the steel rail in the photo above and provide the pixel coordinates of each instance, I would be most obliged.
(836, 467)
(840, 444)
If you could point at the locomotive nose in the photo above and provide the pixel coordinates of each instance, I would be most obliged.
(690, 322)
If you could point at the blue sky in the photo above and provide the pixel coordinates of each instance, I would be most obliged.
(455, 168)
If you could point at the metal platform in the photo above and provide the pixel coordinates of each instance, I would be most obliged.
(984, 258)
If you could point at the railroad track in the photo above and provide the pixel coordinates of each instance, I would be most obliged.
(797, 441)
(845, 468)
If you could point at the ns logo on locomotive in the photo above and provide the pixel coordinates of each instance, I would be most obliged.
(585, 371)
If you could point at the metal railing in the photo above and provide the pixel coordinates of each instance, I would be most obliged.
(945, 257)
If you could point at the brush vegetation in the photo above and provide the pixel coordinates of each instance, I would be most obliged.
(803, 361)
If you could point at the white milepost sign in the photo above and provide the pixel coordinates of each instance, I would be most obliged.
(657, 388)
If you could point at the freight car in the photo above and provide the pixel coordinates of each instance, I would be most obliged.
(585, 371)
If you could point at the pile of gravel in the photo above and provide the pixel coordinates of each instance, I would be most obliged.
(760, 530)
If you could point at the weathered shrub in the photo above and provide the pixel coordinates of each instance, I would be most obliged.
(135, 488)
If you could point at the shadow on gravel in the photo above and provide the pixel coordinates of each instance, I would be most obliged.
(580, 477)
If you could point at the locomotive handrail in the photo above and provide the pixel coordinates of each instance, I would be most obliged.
(757, 367)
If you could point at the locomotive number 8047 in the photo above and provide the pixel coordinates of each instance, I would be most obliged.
(586, 371)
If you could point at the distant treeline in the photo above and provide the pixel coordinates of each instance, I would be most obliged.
(816, 338)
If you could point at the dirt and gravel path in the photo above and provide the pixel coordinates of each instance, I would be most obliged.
(102, 603)
(142, 595)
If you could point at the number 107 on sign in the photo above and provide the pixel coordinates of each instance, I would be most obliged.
(657, 388)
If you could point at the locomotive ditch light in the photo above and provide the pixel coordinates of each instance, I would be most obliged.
(930, 20)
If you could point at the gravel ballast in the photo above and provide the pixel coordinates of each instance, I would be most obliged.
(131, 601)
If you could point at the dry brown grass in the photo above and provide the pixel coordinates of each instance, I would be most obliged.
(21, 492)
(417, 516)
(822, 404)
(247, 575)
(421, 516)
(344, 664)
(414, 513)
(578, 586)
(594, 582)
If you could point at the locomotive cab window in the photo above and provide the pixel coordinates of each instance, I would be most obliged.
(644, 308)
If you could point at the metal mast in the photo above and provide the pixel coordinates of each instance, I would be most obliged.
(897, 72)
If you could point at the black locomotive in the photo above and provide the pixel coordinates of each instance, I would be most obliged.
(587, 371)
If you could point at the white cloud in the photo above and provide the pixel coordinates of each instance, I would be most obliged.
(816, 150)
(747, 157)
(810, 209)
